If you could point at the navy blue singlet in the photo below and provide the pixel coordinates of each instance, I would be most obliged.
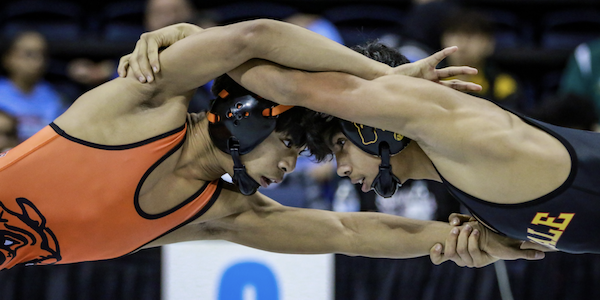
(568, 218)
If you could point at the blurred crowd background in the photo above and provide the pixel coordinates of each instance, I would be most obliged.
(537, 57)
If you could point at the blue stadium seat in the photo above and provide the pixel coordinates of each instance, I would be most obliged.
(566, 29)
(56, 20)
(364, 22)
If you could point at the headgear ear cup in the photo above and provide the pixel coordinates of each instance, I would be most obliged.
(381, 143)
(237, 125)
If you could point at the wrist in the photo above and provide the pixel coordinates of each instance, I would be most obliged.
(187, 29)
(383, 70)
(405, 69)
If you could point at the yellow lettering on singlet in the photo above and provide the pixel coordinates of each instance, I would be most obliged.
(555, 230)
(543, 219)
(542, 242)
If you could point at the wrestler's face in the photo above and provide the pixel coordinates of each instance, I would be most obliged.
(352, 162)
(271, 159)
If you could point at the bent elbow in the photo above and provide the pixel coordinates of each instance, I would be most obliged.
(250, 33)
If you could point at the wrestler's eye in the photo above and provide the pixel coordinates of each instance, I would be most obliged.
(8, 242)
(287, 143)
(338, 144)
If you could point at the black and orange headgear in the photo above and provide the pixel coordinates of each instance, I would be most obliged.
(237, 125)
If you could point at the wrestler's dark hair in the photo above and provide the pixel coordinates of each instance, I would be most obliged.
(296, 123)
(375, 50)
(381, 53)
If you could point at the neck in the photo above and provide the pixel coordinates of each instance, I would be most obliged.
(23, 84)
(201, 159)
(413, 163)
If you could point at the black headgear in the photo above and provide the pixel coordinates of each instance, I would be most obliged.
(237, 125)
(380, 143)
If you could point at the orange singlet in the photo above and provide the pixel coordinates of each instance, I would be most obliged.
(65, 200)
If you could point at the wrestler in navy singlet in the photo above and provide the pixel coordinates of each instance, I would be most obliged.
(567, 218)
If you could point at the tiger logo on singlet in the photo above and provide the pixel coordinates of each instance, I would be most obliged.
(26, 231)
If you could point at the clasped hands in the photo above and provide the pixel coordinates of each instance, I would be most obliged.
(470, 244)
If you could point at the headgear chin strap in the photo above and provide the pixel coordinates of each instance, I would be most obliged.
(241, 179)
(237, 125)
(386, 183)
(381, 143)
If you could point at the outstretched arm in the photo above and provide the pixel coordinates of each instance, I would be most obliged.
(144, 60)
(202, 56)
(267, 225)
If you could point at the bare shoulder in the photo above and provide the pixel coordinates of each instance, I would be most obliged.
(122, 111)
(495, 155)
(112, 99)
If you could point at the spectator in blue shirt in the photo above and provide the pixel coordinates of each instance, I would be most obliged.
(23, 91)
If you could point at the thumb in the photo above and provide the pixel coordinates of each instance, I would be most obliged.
(532, 254)
(535, 246)
(436, 255)
(528, 254)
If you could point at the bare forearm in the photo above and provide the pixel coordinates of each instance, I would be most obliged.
(292, 86)
(299, 48)
(314, 231)
(382, 235)
(201, 57)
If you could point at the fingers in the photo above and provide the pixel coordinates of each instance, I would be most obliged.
(437, 57)
(457, 219)
(143, 61)
(449, 50)
(511, 254)
(133, 61)
(140, 63)
(462, 86)
(455, 71)
(439, 254)
(123, 64)
(436, 255)
(533, 254)
(451, 240)
(463, 248)
(535, 246)
(153, 56)
(450, 248)
(508, 249)
(478, 256)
